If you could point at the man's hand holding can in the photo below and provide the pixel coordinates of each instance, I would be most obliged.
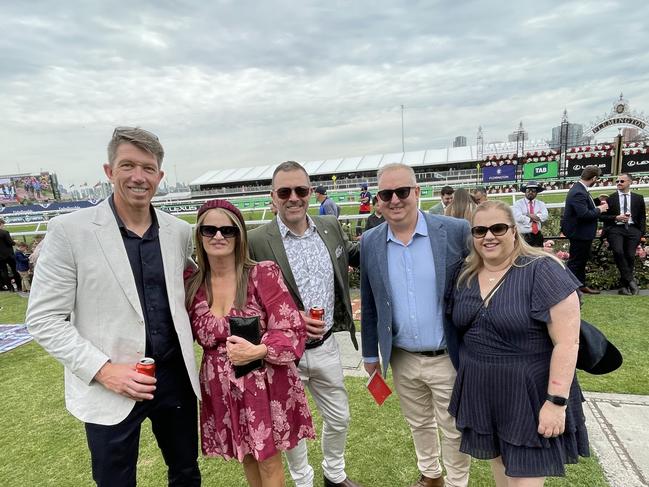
(315, 325)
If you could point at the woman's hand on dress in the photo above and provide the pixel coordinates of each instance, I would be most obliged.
(552, 420)
(242, 352)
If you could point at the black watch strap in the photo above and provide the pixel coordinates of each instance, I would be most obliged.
(558, 400)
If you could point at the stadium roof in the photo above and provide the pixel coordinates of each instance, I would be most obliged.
(430, 157)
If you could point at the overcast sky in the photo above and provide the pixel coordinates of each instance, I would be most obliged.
(242, 83)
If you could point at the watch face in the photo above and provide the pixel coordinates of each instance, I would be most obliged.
(620, 108)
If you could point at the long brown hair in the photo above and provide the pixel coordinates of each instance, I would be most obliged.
(462, 205)
(242, 261)
(474, 263)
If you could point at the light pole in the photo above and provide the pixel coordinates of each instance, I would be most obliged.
(403, 144)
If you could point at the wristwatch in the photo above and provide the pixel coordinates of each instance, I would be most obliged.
(558, 400)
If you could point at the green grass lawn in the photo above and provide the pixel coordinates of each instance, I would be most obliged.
(42, 445)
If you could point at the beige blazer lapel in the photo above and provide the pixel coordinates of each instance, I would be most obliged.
(112, 246)
(168, 250)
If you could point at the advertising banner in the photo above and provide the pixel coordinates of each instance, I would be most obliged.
(36, 187)
(635, 163)
(501, 173)
(541, 170)
(576, 166)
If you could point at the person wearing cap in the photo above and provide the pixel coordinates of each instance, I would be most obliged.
(107, 291)
(327, 205)
(254, 416)
(314, 255)
(530, 213)
(365, 198)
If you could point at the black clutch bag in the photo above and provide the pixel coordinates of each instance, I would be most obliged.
(246, 327)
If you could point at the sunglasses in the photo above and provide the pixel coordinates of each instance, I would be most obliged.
(402, 193)
(619, 181)
(285, 193)
(497, 230)
(227, 231)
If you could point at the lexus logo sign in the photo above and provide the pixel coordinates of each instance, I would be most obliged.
(638, 163)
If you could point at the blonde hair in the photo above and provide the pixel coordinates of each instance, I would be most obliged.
(462, 206)
(242, 261)
(474, 262)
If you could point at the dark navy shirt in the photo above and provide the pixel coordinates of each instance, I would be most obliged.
(145, 257)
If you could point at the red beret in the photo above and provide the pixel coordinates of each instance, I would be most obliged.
(224, 204)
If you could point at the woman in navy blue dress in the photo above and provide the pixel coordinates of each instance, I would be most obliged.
(516, 399)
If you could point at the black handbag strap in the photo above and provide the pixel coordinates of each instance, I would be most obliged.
(485, 301)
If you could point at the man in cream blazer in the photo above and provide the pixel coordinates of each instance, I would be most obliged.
(108, 291)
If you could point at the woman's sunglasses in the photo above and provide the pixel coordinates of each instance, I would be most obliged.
(497, 230)
(285, 193)
(227, 231)
(402, 193)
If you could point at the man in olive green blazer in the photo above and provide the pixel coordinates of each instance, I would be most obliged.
(314, 255)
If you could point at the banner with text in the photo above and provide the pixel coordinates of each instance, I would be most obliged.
(540, 170)
(500, 173)
(576, 166)
(635, 163)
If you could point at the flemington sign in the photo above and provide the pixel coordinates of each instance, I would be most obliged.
(636, 122)
(620, 115)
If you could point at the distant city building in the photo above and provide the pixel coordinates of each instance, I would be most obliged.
(518, 135)
(575, 135)
(631, 135)
(460, 141)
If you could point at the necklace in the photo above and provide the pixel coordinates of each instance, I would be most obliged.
(498, 272)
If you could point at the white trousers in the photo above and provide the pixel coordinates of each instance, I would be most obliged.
(321, 372)
(424, 385)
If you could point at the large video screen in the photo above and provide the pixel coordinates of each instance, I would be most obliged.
(33, 187)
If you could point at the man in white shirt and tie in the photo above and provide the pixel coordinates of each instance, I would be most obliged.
(624, 225)
(530, 213)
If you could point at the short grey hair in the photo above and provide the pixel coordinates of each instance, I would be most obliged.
(393, 167)
(287, 166)
(140, 138)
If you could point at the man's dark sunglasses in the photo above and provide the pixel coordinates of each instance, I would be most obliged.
(619, 181)
(227, 231)
(285, 193)
(402, 193)
(497, 230)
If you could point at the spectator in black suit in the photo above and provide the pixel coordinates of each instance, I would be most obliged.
(7, 259)
(579, 224)
(625, 222)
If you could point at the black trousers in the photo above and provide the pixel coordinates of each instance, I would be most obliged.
(5, 280)
(535, 240)
(173, 415)
(580, 251)
(623, 243)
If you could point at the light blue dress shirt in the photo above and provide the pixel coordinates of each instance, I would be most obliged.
(417, 320)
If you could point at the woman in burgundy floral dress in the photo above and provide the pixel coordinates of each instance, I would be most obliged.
(254, 417)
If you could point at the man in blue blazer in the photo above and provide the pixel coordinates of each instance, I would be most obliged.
(579, 224)
(407, 267)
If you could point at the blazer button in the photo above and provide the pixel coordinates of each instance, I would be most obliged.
(388, 303)
(388, 327)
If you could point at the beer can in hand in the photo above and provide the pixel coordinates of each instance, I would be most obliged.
(146, 366)
(317, 313)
